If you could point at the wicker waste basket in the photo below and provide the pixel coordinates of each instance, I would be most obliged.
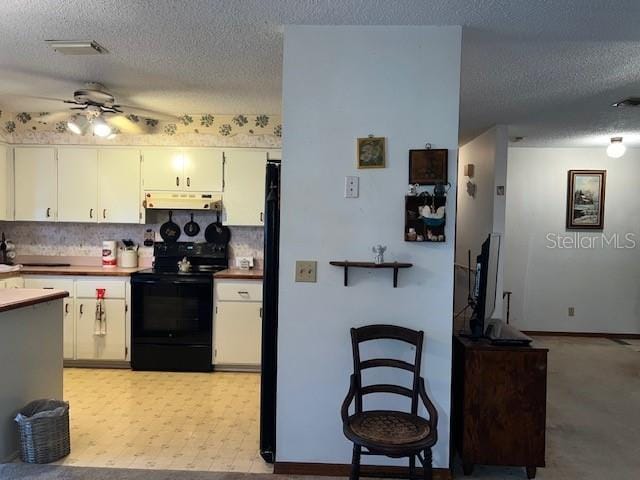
(44, 431)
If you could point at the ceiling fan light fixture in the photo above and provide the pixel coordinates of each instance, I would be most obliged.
(101, 129)
(77, 124)
(616, 148)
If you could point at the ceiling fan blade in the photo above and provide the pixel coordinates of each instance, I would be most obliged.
(144, 112)
(53, 117)
(125, 125)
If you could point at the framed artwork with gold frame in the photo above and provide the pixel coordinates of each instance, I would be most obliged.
(371, 152)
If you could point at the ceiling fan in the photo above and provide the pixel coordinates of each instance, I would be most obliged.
(96, 111)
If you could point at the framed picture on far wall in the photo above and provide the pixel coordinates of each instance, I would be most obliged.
(372, 152)
(428, 167)
(585, 199)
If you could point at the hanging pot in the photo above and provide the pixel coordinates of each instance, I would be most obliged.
(191, 228)
(170, 231)
(216, 232)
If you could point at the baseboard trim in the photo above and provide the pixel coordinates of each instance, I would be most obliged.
(121, 364)
(236, 367)
(342, 470)
(545, 333)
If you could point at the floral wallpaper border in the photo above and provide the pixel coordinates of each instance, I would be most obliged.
(29, 127)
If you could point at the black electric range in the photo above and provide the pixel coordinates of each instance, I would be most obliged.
(172, 311)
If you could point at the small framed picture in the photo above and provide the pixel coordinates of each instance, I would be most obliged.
(428, 167)
(585, 199)
(372, 152)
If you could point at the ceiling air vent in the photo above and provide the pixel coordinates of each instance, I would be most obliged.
(76, 47)
(628, 102)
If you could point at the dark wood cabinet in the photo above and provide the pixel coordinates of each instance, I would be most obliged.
(499, 404)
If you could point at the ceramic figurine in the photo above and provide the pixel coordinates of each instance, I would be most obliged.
(379, 251)
(413, 190)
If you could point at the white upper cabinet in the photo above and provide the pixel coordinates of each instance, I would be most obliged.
(162, 169)
(244, 187)
(196, 170)
(35, 183)
(5, 184)
(119, 199)
(202, 170)
(77, 184)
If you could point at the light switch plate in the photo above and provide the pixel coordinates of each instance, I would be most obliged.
(351, 187)
(306, 271)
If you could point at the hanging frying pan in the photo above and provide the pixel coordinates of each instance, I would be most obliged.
(191, 228)
(170, 231)
(216, 232)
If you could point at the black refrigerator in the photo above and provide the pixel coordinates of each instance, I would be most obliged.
(270, 313)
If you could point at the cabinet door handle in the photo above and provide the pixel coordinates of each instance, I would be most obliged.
(243, 292)
(66, 308)
(81, 308)
(188, 181)
(48, 212)
(261, 216)
(104, 213)
(177, 181)
(91, 213)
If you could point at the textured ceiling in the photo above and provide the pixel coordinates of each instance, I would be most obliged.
(547, 69)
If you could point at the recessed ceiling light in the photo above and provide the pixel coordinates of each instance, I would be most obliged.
(77, 47)
(627, 102)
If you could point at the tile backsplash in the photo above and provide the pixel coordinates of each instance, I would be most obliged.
(85, 239)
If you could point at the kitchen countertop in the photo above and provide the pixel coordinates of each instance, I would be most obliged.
(237, 274)
(80, 270)
(13, 298)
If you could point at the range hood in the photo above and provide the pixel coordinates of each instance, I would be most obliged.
(182, 200)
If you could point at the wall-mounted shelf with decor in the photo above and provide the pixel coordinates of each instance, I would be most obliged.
(395, 265)
(417, 227)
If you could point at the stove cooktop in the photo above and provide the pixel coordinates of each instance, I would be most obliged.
(195, 270)
(205, 258)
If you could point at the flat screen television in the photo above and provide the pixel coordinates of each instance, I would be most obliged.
(486, 279)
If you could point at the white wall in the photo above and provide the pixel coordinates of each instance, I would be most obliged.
(603, 284)
(484, 213)
(341, 83)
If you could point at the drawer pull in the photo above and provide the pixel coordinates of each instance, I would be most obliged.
(243, 292)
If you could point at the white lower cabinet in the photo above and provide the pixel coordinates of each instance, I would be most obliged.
(237, 328)
(80, 341)
(111, 345)
(66, 284)
(69, 329)
(14, 282)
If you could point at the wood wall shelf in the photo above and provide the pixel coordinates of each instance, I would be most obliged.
(395, 265)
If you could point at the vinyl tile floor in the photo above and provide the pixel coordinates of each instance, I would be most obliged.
(162, 420)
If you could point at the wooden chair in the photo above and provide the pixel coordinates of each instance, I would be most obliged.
(391, 433)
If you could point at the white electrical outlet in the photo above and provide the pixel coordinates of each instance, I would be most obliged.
(351, 187)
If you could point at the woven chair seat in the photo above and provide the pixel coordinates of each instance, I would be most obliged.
(383, 427)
